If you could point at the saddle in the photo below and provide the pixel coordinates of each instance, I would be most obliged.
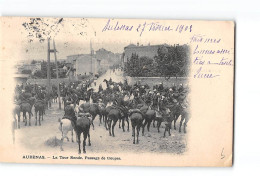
(131, 111)
(85, 115)
(120, 109)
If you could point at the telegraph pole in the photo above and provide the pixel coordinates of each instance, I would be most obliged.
(57, 72)
(48, 68)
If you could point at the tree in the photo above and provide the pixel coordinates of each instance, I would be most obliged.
(33, 62)
(26, 71)
(173, 61)
(39, 74)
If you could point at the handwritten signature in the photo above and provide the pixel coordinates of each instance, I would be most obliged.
(222, 153)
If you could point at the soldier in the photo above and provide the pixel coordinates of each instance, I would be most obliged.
(180, 88)
(100, 88)
(160, 87)
(142, 90)
(174, 88)
(70, 113)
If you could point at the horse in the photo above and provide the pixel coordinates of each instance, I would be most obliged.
(168, 118)
(106, 112)
(149, 116)
(82, 126)
(184, 117)
(91, 108)
(102, 110)
(114, 115)
(65, 127)
(136, 118)
(26, 108)
(39, 107)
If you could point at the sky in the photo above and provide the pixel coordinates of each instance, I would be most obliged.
(74, 35)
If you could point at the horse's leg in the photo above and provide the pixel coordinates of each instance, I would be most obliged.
(153, 123)
(123, 124)
(165, 131)
(133, 128)
(175, 120)
(148, 125)
(103, 117)
(169, 128)
(185, 124)
(78, 135)
(143, 126)
(36, 117)
(30, 118)
(127, 124)
(43, 112)
(84, 141)
(109, 127)
(182, 118)
(158, 125)
(61, 144)
(89, 143)
(24, 117)
(19, 116)
(105, 121)
(72, 136)
(113, 126)
(100, 120)
(40, 117)
(119, 123)
(93, 122)
(138, 129)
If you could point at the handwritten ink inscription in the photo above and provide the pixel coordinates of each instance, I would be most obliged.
(113, 25)
(204, 57)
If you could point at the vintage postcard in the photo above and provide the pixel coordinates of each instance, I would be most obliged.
(132, 92)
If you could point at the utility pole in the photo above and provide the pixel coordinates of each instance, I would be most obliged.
(57, 72)
(48, 68)
(91, 55)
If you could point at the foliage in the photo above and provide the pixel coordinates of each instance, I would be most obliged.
(26, 71)
(33, 62)
(170, 61)
(43, 72)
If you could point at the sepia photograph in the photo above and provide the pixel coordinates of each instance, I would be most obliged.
(118, 91)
